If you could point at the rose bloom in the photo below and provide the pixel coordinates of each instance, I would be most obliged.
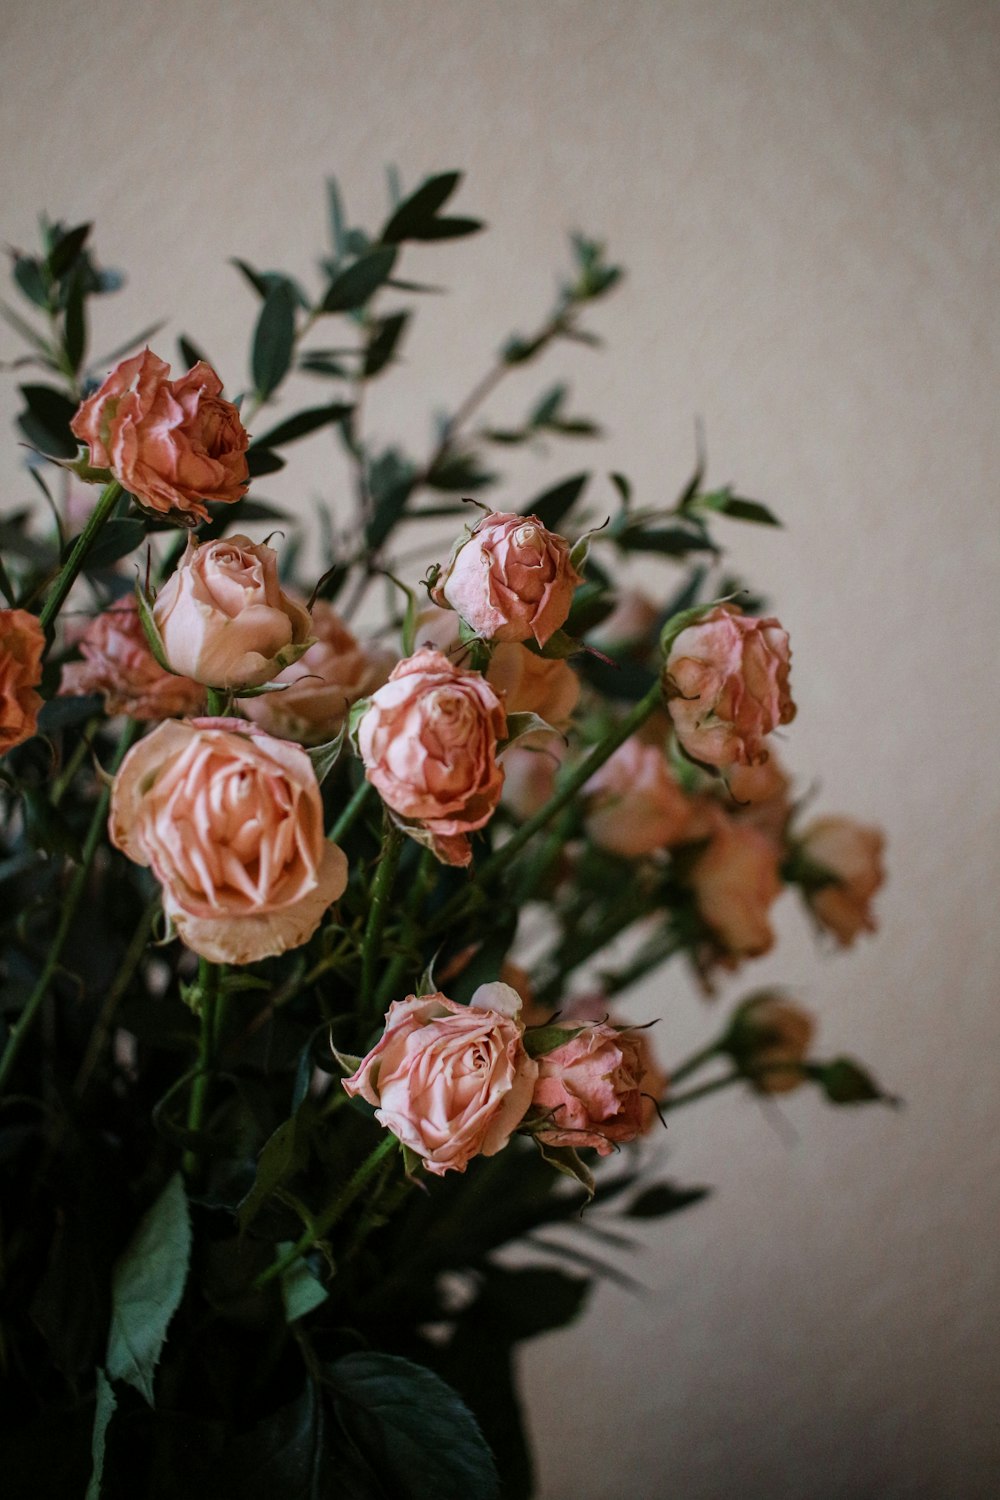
(224, 618)
(771, 1039)
(450, 1081)
(590, 1088)
(510, 580)
(634, 803)
(852, 853)
(735, 882)
(172, 443)
(231, 823)
(429, 744)
(22, 645)
(727, 685)
(531, 684)
(334, 673)
(594, 1006)
(118, 664)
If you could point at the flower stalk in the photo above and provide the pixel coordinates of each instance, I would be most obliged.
(71, 568)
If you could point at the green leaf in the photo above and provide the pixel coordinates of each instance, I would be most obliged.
(552, 504)
(548, 406)
(261, 460)
(28, 275)
(146, 1288)
(284, 1155)
(150, 628)
(539, 1040)
(725, 503)
(190, 353)
(325, 757)
(382, 346)
(66, 249)
(415, 1434)
(143, 337)
(115, 540)
(75, 325)
(352, 288)
(274, 339)
(566, 1160)
(301, 1288)
(416, 214)
(338, 223)
(449, 229)
(844, 1081)
(103, 1412)
(663, 1198)
(46, 422)
(518, 725)
(302, 424)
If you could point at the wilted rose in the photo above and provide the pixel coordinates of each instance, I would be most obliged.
(589, 1088)
(174, 444)
(761, 793)
(224, 618)
(727, 686)
(634, 803)
(428, 740)
(532, 684)
(852, 854)
(510, 580)
(450, 1081)
(231, 823)
(334, 673)
(118, 664)
(770, 1040)
(735, 882)
(22, 645)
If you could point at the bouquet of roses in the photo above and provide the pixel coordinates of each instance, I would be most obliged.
(320, 919)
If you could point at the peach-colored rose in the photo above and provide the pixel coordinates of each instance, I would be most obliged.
(727, 686)
(590, 1089)
(172, 443)
(450, 1081)
(22, 645)
(735, 883)
(634, 803)
(224, 618)
(852, 853)
(531, 684)
(593, 1006)
(428, 740)
(118, 664)
(510, 579)
(770, 1040)
(231, 823)
(761, 794)
(322, 684)
(530, 776)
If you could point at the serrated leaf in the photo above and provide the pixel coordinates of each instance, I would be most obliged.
(301, 425)
(104, 1410)
(284, 1154)
(353, 287)
(416, 214)
(274, 339)
(146, 1289)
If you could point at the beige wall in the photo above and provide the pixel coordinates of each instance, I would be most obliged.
(805, 193)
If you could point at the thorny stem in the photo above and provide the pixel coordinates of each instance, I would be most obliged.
(385, 874)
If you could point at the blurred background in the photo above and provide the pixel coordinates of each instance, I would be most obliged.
(805, 196)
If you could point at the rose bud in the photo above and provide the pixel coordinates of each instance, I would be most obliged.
(590, 1089)
(428, 740)
(735, 883)
(174, 444)
(450, 1081)
(22, 645)
(118, 664)
(335, 672)
(769, 1041)
(511, 579)
(634, 804)
(531, 684)
(231, 823)
(727, 686)
(224, 618)
(851, 854)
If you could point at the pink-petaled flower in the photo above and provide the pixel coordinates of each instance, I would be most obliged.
(224, 618)
(335, 672)
(735, 882)
(634, 803)
(852, 854)
(727, 686)
(510, 580)
(530, 775)
(428, 740)
(761, 794)
(590, 1089)
(450, 1081)
(770, 1041)
(118, 664)
(230, 821)
(174, 444)
(532, 684)
(22, 645)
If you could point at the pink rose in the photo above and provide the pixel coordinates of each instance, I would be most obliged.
(594, 1006)
(118, 664)
(735, 883)
(224, 618)
(510, 579)
(231, 823)
(334, 673)
(770, 1040)
(852, 854)
(531, 684)
(450, 1081)
(727, 686)
(172, 443)
(22, 645)
(634, 803)
(590, 1089)
(428, 740)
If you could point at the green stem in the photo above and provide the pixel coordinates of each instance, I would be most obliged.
(212, 999)
(650, 956)
(674, 1101)
(71, 567)
(332, 1215)
(350, 814)
(392, 847)
(411, 930)
(217, 703)
(19, 1030)
(694, 1062)
(621, 916)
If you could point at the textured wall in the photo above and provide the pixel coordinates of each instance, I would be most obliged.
(805, 194)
